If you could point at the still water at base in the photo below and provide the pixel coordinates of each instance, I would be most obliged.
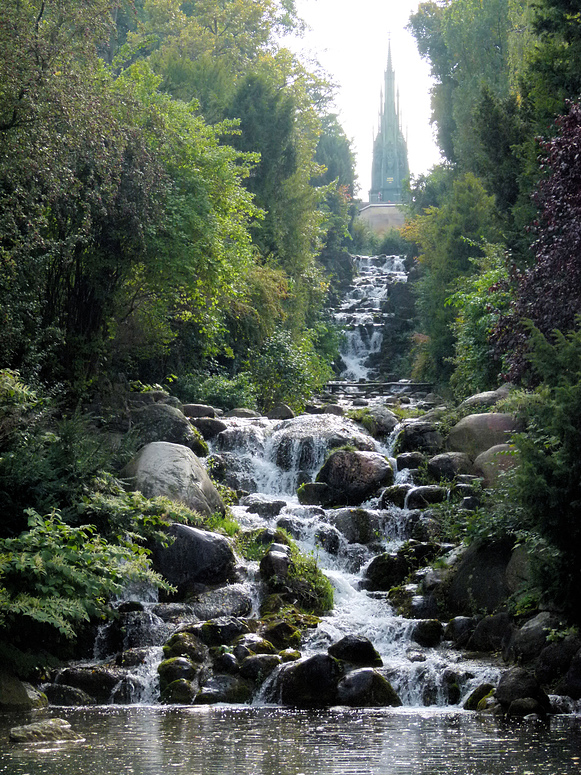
(275, 741)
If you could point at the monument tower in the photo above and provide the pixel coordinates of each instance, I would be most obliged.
(390, 156)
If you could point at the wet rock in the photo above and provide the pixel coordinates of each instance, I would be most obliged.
(475, 697)
(60, 694)
(459, 629)
(330, 539)
(478, 432)
(571, 683)
(282, 635)
(379, 421)
(179, 692)
(98, 681)
(280, 412)
(175, 669)
(517, 684)
(428, 633)
(479, 580)
(409, 460)
(311, 683)
(525, 706)
(356, 650)
(225, 688)
(42, 731)
(366, 688)
(555, 661)
(243, 413)
(355, 476)
(194, 557)
(258, 667)
(422, 497)
(209, 427)
(315, 494)
(263, 505)
(394, 496)
(448, 465)
(161, 422)
(132, 657)
(418, 436)
(225, 662)
(385, 571)
(528, 641)
(255, 643)
(333, 409)
(229, 600)
(222, 631)
(493, 462)
(275, 563)
(198, 410)
(359, 526)
(161, 468)
(491, 633)
(186, 644)
(19, 695)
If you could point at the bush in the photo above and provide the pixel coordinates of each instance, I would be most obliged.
(285, 371)
(217, 390)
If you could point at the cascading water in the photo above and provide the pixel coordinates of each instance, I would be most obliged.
(362, 313)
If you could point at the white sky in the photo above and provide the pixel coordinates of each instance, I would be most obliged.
(350, 40)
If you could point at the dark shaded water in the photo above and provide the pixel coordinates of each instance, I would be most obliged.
(276, 741)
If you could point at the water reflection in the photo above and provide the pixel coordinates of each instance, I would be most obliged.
(277, 741)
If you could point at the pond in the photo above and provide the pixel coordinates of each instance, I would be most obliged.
(223, 740)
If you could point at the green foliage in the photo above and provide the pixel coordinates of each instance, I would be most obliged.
(448, 236)
(288, 371)
(54, 578)
(217, 390)
(480, 300)
(306, 586)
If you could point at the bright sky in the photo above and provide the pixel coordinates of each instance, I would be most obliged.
(350, 40)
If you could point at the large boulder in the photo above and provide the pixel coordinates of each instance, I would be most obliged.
(355, 476)
(366, 688)
(478, 432)
(209, 427)
(571, 683)
(310, 683)
(479, 579)
(357, 650)
(359, 526)
(556, 660)
(18, 695)
(448, 465)
(379, 421)
(422, 497)
(162, 422)
(518, 684)
(528, 641)
(53, 729)
(486, 399)
(493, 462)
(418, 436)
(194, 557)
(162, 468)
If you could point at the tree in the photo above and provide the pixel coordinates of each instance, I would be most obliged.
(448, 237)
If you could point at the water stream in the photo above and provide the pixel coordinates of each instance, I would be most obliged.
(429, 735)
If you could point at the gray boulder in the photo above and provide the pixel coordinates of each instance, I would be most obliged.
(448, 465)
(309, 683)
(243, 413)
(380, 421)
(366, 688)
(555, 661)
(359, 526)
(492, 633)
(518, 684)
(428, 632)
(479, 579)
(225, 688)
(53, 729)
(493, 462)
(209, 427)
(486, 399)
(528, 641)
(355, 476)
(162, 468)
(194, 557)
(228, 600)
(262, 505)
(478, 432)
(18, 695)
(162, 422)
(198, 410)
(280, 412)
(418, 436)
(422, 497)
(357, 650)
(394, 496)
